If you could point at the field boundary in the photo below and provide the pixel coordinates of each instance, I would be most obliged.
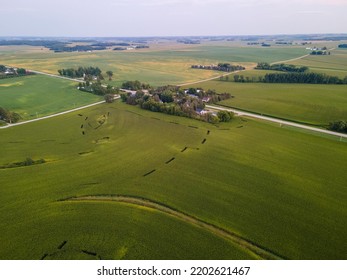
(254, 248)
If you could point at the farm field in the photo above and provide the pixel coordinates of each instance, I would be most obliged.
(334, 64)
(37, 95)
(161, 64)
(280, 189)
(311, 104)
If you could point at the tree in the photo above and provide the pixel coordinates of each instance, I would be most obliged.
(109, 98)
(8, 116)
(21, 71)
(167, 96)
(109, 74)
(225, 116)
(339, 126)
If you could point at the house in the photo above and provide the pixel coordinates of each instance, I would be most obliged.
(206, 99)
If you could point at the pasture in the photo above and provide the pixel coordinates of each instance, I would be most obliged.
(280, 189)
(38, 95)
(311, 104)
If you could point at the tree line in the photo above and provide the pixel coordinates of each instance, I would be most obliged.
(135, 85)
(224, 67)
(53, 45)
(80, 72)
(298, 78)
(343, 46)
(281, 67)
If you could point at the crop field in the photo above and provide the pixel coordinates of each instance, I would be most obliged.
(38, 95)
(112, 185)
(334, 64)
(161, 64)
(311, 104)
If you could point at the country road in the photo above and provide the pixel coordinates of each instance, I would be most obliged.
(210, 79)
(56, 76)
(274, 120)
(55, 115)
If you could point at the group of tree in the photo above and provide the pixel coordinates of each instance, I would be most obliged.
(77, 48)
(80, 72)
(338, 126)
(297, 78)
(189, 42)
(8, 72)
(135, 85)
(225, 67)
(343, 46)
(8, 116)
(281, 67)
(53, 45)
(175, 101)
(130, 47)
(98, 89)
(303, 78)
(320, 52)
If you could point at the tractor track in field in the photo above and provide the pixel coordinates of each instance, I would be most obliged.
(254, 248)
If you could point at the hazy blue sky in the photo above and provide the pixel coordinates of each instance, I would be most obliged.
(171, 17)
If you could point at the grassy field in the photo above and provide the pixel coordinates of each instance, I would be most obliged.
(312, 104)
(279, 188)
(38, 95)
(161, 64)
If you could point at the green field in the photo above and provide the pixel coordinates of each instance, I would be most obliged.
(312, 104)
(38, 95)
(279, 188)
(161, 64)
(334, 64)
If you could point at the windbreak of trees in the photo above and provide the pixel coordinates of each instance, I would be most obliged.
(135, 85)
(303, 78)
(80, 72)
(291, 78)
(281, 67)
(8, 116)
(225, 67)
(343, 46)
